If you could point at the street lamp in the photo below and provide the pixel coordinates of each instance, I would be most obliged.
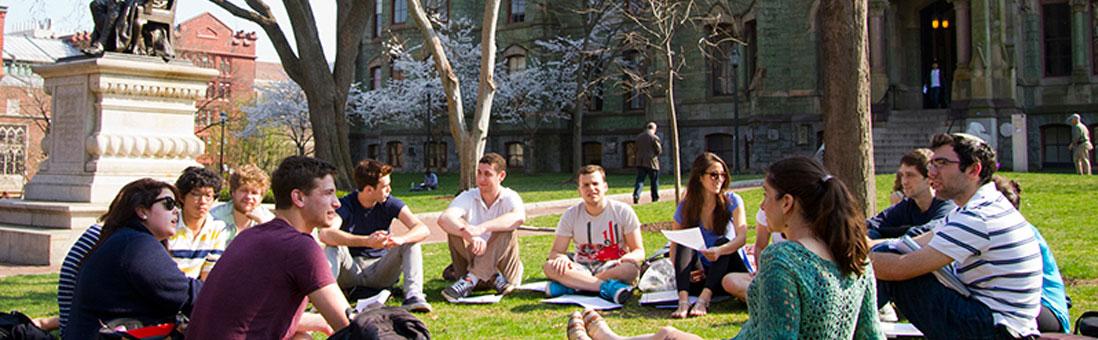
(735, 61)
(221, 152)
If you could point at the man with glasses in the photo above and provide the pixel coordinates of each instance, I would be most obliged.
(988, 243)
(199, 238)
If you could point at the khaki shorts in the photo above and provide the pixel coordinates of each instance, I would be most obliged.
(1081, 152)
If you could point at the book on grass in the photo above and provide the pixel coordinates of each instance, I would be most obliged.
(946, 275)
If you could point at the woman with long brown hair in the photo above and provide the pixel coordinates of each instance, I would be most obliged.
(718, 214)
(128, 273)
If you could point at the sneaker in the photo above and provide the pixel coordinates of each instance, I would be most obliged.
(450, 274)
(616, 291)
(555, 289)
(636, 200)
(502, 286)
(460, 288)
(416, 304)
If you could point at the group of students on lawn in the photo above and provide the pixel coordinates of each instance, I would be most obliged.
(241, 271)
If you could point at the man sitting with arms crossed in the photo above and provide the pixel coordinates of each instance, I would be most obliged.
(363, 252)
(919, 205)
(609, 249)
(247, 185)
(481, 224)
(258, 288)
(987, 241)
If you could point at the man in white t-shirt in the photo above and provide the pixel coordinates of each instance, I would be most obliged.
(609, 250)
(480, 225)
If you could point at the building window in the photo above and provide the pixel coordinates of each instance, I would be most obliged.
(226, 66)
(719, 58)
(375, 77)
(632, 64)
(629, 154)
(1057, 33)
(371, 151)
(13, 107)
(395, 152)
(400, 11)
(516, 63)
(751, 54)
(517, 10)
(515, 152)
(377, 20)
(1054, 146)
(13, 149)
(436, 155)
(720, 144)
(592, 153)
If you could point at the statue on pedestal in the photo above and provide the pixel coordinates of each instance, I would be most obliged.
(142, 27)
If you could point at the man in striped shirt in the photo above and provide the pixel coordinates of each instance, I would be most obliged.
(199, 239)
(987, 242)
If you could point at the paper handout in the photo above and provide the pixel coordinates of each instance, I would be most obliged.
(690, 238)
(895, 329)
(376, 301)
(588, 302)
(539, 286)
(482, 299)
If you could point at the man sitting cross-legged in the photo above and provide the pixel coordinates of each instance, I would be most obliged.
(480, 226)
(919, 206)
(362, 251)
(607, 234)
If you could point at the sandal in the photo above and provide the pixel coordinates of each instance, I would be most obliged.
(701, 308)
(576, 328)
(682, 311)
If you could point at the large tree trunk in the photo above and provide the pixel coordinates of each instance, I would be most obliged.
(331, 144)
(577, 128)
(673, 117)
(845, 102)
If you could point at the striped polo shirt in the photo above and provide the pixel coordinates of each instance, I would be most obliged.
(996, 256)
(66, 283)
(197, 252)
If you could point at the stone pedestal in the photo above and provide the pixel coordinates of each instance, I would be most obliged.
(116, 119)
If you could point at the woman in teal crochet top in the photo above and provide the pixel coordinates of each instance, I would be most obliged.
(818, 286)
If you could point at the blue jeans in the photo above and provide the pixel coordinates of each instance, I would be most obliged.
(936, 310)
(651, 174)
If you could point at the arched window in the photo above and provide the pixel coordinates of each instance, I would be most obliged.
(436, 155)
(628, 154)
(515, 58)
(515, 155)
(13, 149)
(592, 153)
(1054, 146)
(395, 152)
(721, 145)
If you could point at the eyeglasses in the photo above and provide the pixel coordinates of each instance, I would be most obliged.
(941, 162)
(716, 176)
(200, 196)
(169, 203)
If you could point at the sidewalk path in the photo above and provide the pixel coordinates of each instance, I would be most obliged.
(431, 219)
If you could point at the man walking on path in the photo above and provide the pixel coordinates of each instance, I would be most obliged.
(1080, 145)
(648, 162)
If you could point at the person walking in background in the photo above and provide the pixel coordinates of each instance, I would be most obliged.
(648, 162)
(1080, 145)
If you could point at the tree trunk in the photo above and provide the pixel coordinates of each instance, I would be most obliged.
(331, 145)
(673, 117)
(577, 129)
(530, 154)
(845, 101)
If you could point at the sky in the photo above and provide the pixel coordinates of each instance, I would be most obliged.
(69, 16)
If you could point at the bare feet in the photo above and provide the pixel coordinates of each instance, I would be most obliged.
(680, 313)
(701, 308)
(597, 327)
(576, 328)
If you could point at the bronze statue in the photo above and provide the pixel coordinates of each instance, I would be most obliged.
(142, 27)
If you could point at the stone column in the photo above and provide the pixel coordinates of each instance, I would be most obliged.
(878, 66)
(963, 30)
(1080, 67)
(117, 118)
(981, 42)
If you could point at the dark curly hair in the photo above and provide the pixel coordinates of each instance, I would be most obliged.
(197, 177)
(970, 150)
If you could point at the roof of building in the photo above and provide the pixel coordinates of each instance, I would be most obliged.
(27, 48)
(271, 72)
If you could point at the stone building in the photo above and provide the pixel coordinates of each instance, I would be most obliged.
(1011, 71)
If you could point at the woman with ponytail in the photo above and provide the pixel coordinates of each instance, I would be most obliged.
(819, 285)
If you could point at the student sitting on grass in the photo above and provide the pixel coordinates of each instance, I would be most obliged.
(609, 249)
(247, 185)
(199, 239)
(719, 214)
(919, 206)
(818, 285)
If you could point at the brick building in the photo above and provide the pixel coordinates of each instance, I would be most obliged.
(1011, 71)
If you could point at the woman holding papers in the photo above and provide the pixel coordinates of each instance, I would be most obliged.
(718, 214)
(819, 284)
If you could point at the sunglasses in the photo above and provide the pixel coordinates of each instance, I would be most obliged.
(716, 176)
(168, 202)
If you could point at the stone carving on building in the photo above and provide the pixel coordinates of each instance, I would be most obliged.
(142, 27)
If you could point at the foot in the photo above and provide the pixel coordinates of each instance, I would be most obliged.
(555, 289)
(680, 313)
(502, 286)
(616, 291)
(416, 304)
(636, 200)
(450, 274)
(461, 288)
(701, 308)
(576, 329)
(597, 327)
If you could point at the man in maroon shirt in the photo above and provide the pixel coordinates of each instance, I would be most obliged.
(258, 288)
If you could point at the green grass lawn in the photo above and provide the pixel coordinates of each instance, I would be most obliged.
(1055, 203)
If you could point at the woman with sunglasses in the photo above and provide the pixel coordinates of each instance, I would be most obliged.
(719, 215)
(128, 273)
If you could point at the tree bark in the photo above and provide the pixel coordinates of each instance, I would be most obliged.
(845, 101)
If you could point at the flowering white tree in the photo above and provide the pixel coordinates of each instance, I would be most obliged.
(281, 108)
(540, 94)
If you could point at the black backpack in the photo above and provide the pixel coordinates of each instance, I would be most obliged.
(1087, 324)
(17, 326)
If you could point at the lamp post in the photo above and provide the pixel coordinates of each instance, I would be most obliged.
(221, 151)
(735, 61)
